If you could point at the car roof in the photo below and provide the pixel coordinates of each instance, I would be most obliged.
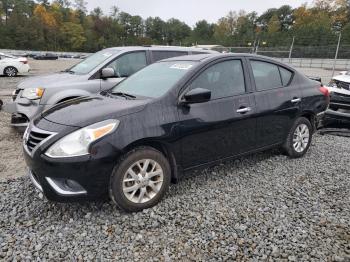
(209, 57)
(162, 48)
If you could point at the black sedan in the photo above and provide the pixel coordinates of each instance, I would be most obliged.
(47, 56)
(170, 117)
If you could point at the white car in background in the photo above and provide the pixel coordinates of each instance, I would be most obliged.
(339, 89)
(338, 114)
(11, 65)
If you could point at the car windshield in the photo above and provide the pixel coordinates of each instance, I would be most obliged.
(88, 64)
(154, 80)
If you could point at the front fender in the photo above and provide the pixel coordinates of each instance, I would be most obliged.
(59, 96)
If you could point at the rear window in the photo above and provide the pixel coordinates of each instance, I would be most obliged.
(286, 76)
(160, 55)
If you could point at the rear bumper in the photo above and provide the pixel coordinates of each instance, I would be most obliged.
(25, 68)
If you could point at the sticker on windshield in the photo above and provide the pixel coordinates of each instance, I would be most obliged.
(181, 66)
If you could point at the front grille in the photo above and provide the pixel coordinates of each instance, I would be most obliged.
(343, 85)
(35, 138)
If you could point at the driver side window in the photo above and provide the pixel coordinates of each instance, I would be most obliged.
(128, 64)
(223, 79)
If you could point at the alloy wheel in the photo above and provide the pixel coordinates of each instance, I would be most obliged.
(301, 138)
(142, 181)
(11, 71)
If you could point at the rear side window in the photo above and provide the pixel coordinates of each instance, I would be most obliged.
(286, 76)
(223, 79)
(160, 55)
(266, 75)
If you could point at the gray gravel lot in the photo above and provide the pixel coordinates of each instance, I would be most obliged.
(261, 207)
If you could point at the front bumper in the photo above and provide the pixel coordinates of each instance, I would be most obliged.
(339, 119)
(68, 179)
(339, 101)
(22, 110)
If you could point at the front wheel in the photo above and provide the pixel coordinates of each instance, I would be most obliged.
(10, 71)
(140, 179)
(299, 138)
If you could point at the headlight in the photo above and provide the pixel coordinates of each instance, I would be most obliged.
(332, 83)
(78, 142)
(33, 93)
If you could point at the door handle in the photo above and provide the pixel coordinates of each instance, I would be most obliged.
(295, 100)
(243, 110)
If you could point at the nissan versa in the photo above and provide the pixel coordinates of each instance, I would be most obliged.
(175, 115)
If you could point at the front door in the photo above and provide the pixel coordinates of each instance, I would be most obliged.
(223, 126)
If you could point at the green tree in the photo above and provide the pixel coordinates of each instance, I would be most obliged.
(72, 36)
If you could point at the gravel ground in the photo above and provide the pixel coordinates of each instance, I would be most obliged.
(261, 207)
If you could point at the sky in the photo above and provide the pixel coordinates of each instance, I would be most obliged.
(190, 11)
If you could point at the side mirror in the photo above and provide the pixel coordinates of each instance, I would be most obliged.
(107, 72)
(197, 95)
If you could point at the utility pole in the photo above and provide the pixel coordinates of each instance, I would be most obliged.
(257, 47)
(6, 12)
(336, 54)
(253, 47)
(291, 50)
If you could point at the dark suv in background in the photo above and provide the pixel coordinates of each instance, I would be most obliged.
(168, 118)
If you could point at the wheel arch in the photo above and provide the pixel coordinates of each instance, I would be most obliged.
(162, 147)
(311, 116)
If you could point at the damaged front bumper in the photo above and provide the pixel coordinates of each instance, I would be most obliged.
(340, 118)
(22, 110)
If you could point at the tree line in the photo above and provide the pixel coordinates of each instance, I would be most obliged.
(66, 25)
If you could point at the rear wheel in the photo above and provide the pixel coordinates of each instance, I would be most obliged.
(299, 138)
(10, 71)
(140, 179)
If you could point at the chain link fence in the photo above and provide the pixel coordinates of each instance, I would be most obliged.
(331, 53)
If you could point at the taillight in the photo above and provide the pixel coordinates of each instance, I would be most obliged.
(324, 90)
(23, 60)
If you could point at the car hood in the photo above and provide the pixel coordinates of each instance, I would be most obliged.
(84, 111)
(342, 78)
(51, 80)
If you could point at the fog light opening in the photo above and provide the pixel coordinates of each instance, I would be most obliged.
(64, 186)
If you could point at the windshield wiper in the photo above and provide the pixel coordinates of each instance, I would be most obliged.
(125, 95)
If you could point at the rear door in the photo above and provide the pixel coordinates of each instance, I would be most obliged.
(124, 66)
(223, 126)
(278, 101)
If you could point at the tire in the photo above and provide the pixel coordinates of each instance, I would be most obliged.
(296, 144)
(141, 192)
(10, 71)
